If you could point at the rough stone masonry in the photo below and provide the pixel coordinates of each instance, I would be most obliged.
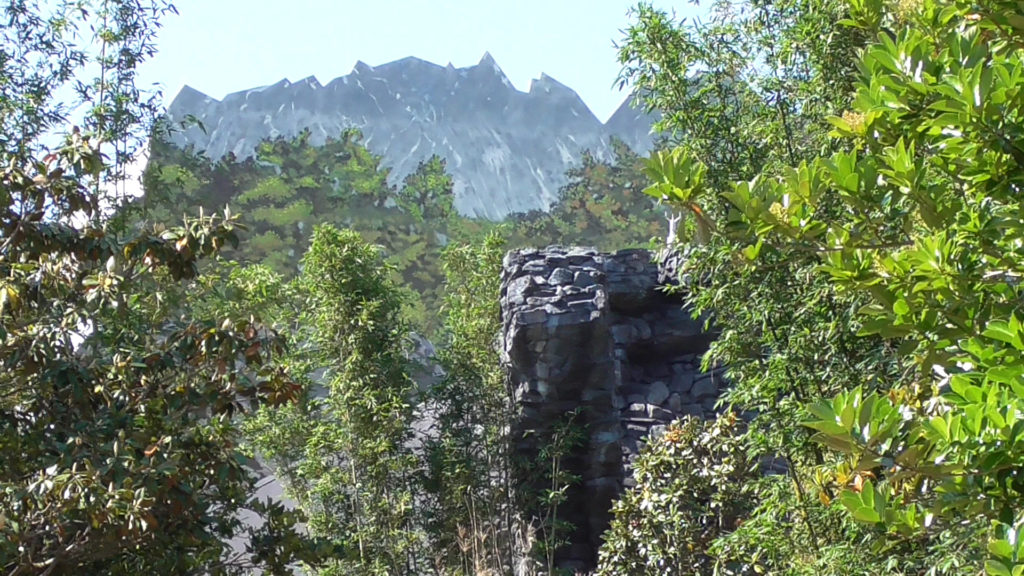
(594, 332)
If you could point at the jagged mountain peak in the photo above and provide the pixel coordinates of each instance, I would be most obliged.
(280, 84)
(310, 82)
(631, 123)
(405, 64)
(507, 150)
(189, 97)
(488, 71)
(548, 85)
(488, 61)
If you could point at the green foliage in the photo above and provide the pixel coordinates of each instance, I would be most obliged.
(355, 173)
(602, 205)
(941, 116)
(677, 180)
(693, 485)
(427, 192)
(548, 487)
(291, 186)
(746, 95)
(705, 504)
(903, 244)
(234, 290)
(750, 87)
(344, 452)
(475, 519)
(118, 447)
(677, 177)
(468, 458)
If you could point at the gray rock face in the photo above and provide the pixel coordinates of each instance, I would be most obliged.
(632, 125)
(507, 150)
(616, 348)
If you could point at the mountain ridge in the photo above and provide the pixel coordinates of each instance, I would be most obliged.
(507, 150)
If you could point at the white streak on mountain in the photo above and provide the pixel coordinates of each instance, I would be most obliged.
(507, 150)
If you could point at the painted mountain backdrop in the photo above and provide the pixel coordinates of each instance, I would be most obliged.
(507, 151)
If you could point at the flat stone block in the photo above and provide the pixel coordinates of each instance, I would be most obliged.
(535, 266)
(528, 317)
(638, 410)
(661, 414)
(555, 260)
(638, 430)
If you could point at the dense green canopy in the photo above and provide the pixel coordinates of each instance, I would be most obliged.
(849, 173)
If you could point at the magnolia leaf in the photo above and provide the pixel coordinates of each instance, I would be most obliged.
(1003, 332)
(996, 568)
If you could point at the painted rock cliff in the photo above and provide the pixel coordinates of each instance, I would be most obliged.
(507, 150)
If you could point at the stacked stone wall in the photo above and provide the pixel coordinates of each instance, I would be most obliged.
(594, 332)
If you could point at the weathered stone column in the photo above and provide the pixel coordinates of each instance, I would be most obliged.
(558, 347)
(592, 332)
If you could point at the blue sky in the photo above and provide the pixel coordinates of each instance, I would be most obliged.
(222, 46)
